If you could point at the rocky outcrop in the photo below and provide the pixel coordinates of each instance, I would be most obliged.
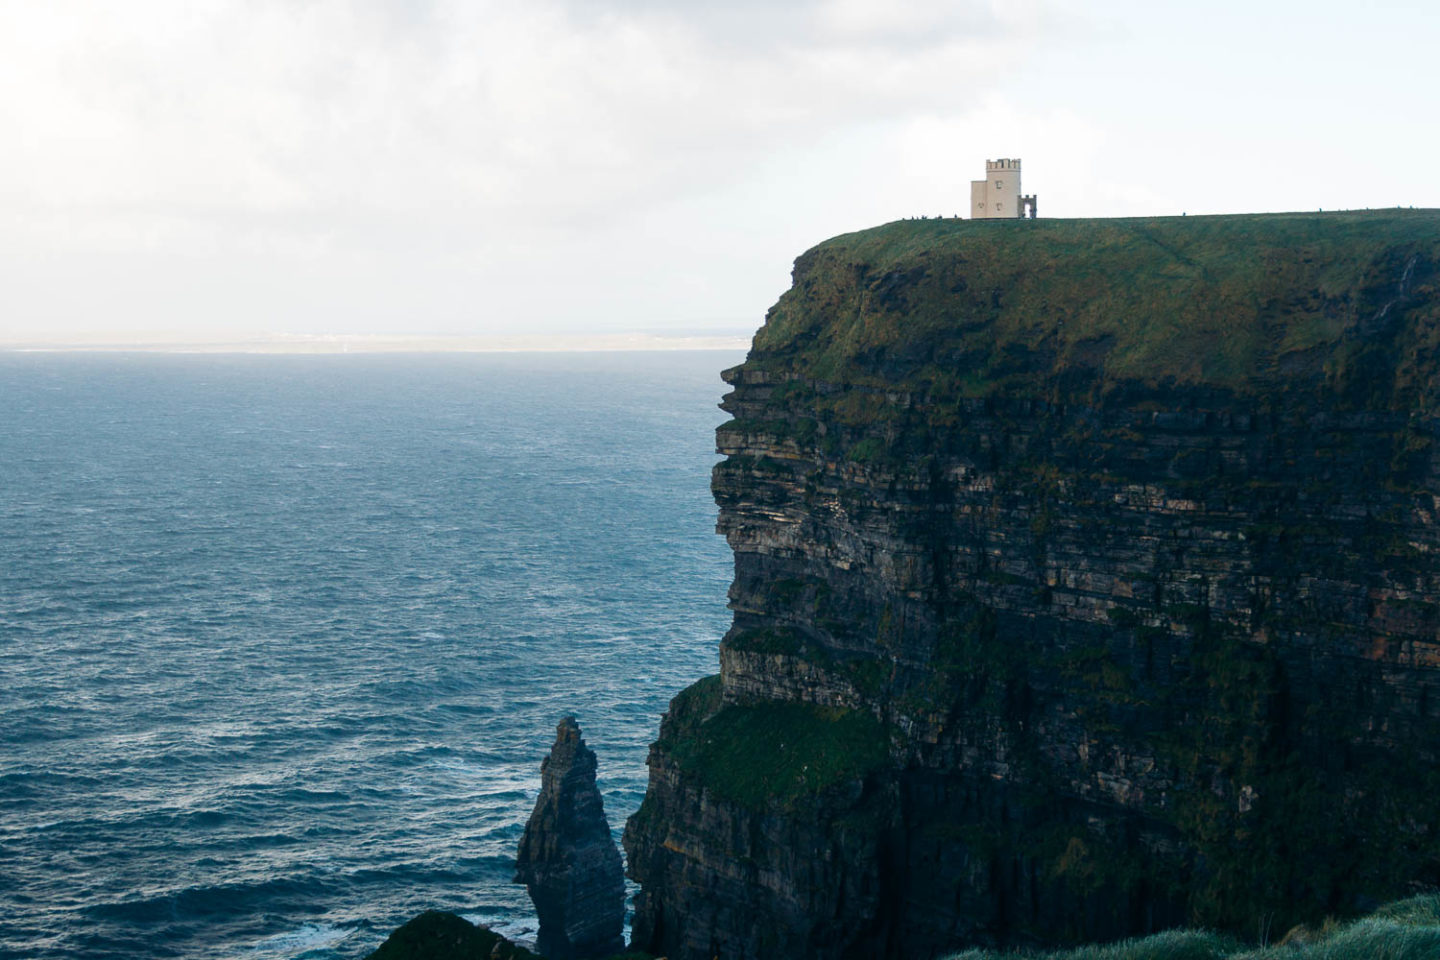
(435, 935)
(568, 860)
(1085, 585)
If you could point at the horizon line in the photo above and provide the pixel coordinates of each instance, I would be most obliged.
(342, 344)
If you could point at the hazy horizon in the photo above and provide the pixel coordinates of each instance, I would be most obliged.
(360, 344)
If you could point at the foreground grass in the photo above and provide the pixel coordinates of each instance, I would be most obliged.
(1406, 930)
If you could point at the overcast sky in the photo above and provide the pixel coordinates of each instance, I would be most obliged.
(211, 169)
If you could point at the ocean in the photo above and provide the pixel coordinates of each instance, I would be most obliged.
(284, 639)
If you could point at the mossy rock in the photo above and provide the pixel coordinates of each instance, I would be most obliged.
(436, 935)
(764, 753)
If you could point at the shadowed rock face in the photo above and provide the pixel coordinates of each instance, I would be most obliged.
(568, 860)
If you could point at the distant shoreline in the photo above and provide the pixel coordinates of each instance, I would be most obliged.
(339, 344)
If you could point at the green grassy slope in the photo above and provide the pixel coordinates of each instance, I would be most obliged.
(1407, 930)
(771, 752)
(972, 308)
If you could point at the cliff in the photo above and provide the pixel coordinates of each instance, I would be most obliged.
(1085, 585)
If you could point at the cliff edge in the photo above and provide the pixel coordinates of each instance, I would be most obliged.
(1085, 585)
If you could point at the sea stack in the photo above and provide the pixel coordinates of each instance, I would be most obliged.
(568, 860)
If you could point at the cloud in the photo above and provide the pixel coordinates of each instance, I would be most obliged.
(497, 106)
(201, 128)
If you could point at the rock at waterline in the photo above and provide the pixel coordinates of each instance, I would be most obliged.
(568, 860)
(443, 936)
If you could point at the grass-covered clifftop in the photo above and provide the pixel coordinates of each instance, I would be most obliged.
(974, 308)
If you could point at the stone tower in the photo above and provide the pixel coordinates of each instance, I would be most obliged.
(998, 196)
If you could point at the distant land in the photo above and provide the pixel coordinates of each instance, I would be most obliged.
(366, 343)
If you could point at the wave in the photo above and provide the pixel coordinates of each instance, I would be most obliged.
(222, 899)
(312, 936)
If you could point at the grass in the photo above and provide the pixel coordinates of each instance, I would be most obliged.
(1406, 930)
(758, 754)
(974, 308)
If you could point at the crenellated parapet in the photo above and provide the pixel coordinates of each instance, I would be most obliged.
(998, 196)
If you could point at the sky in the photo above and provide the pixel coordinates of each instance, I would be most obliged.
(225, 169)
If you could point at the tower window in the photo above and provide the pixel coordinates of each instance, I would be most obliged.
(999, 184)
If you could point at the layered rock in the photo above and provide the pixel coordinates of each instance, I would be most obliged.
(567, 858)
(1085, 585)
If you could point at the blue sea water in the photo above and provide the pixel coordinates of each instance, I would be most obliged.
(283, 640)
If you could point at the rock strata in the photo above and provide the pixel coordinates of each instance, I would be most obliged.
(568, 860)
(1085, 585)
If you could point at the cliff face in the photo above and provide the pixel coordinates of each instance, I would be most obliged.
(1085, 584)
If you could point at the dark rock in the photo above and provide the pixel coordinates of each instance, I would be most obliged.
(568, 860)
(435, 935)
(1108, 608)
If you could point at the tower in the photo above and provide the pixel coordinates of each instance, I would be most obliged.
(998, 196)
